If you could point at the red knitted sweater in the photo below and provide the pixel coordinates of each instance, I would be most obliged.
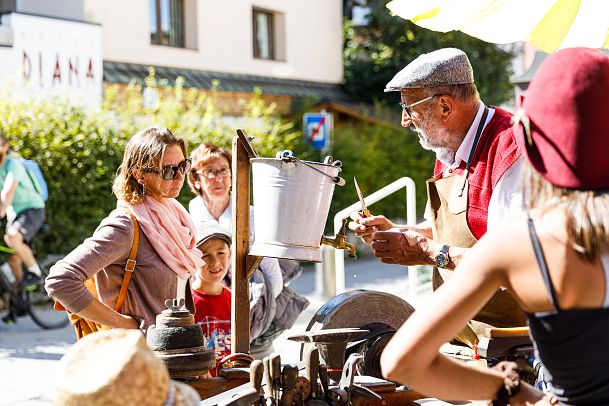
(495, 153)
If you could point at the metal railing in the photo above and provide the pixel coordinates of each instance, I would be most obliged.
(338, 257)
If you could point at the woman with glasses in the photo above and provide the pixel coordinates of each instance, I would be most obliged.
(149, 179)
(273, 306)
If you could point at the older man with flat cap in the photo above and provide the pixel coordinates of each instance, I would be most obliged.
(475, 182)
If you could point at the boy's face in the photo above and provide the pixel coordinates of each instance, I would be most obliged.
(216, 255)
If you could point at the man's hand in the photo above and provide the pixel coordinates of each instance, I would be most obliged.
(529, 396)
(365, 226)
(407, 247)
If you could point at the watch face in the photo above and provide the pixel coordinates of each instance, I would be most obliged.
(441, 260)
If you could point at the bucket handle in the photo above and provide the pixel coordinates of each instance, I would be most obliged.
(288, 156)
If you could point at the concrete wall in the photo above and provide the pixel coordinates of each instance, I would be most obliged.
(220, 37)
(69, 9)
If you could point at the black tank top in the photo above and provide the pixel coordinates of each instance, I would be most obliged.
(573, 345)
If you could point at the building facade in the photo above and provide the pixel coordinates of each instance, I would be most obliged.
(288, 49)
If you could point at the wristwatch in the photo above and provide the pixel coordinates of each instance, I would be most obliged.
(442, 259)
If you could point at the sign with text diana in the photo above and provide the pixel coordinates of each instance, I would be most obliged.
(52, 57)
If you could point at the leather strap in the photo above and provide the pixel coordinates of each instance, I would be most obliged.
(541, 262)
(476, 140)
(472, 152)
(130, 265)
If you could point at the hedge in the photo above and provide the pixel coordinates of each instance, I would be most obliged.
(79, 150)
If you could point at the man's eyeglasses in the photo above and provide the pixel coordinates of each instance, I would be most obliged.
(169, 172)
(212, 173)
(407, 108)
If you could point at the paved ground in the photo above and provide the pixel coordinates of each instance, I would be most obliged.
(29, 356)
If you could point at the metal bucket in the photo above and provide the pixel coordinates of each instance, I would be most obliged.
(291, 204)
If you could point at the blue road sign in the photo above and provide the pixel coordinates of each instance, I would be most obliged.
(317, 127)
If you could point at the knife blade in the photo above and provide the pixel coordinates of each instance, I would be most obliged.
(365, 210)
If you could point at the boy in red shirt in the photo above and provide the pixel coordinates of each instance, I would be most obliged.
(211, 297)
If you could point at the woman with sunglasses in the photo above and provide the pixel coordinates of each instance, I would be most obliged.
(273, 306)
(149, 179)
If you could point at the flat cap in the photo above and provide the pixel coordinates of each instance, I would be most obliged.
(209, 230)
(446, 66)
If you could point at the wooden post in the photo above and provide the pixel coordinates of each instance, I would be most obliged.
(243, 264)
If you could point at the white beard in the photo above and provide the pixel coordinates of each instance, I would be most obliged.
(443, 154)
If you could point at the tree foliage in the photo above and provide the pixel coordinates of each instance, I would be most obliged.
(375, 53)
(377, 156)
(79, 150)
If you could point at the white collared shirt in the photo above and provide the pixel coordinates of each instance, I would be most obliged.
(506, 198)
(465, 148)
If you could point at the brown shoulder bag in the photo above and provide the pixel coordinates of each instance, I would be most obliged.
(83, 326)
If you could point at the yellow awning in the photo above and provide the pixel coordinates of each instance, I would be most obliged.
(548, 24)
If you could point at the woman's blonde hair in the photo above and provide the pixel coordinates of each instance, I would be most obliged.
(201, 156)
(143, 151)
(587, 211)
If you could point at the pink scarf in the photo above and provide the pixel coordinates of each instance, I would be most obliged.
(170, 231)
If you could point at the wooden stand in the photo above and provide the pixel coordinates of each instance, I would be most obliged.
(243, 264)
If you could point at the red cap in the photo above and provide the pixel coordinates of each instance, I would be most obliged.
(567, 105)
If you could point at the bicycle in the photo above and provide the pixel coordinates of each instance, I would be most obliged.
(32, 300)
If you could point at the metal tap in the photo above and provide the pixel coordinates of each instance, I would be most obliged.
(340, 241)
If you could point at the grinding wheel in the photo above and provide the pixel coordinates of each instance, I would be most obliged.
(381, 313)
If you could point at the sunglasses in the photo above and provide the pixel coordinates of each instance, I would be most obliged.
(407, 108)
(169, 172)
(212, 173)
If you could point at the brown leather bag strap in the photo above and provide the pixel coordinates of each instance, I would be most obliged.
(130, 265)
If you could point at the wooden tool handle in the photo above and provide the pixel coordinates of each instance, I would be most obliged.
(268, 382)
(256, 372)
(494, 332)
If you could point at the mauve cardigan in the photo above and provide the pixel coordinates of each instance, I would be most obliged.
(104, 254)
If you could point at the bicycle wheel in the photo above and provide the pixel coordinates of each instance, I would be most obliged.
(40, 305)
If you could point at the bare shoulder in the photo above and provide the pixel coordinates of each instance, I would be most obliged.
(507, 240)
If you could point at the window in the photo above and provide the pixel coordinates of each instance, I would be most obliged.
(7, 6)
(264, 35)
(167, 22)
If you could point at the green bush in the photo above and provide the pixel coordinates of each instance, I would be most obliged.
(378, 155)
(79, 150)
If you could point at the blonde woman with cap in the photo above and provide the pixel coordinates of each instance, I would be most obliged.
(147, 183)
(555, 260)
(116, 367)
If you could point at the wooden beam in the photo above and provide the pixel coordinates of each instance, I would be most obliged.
(252, 263)
(240, 198)
(208, 387)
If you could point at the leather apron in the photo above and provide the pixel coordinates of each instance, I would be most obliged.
(448, 206)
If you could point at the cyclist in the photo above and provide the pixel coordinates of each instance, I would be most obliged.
(24, 210)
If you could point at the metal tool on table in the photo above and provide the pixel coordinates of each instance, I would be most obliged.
(256, 372)
(347, 389)
(275, 373)
(289, 375)
(268, 381)
(311, 357)
(179, 342)
(365, 211)
(331, 344)
(384, 314)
